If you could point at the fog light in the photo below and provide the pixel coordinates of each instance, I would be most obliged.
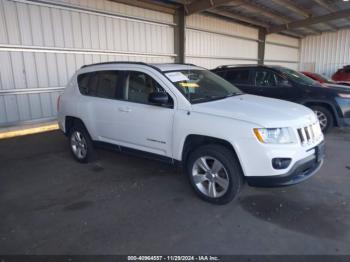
(281, 163)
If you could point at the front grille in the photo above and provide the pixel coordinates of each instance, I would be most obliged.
(309, 134)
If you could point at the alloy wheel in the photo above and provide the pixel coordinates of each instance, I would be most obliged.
(79, 145)
(210, 176)
(322, 118)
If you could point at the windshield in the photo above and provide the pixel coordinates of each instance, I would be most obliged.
(201, 85)
(297, 77)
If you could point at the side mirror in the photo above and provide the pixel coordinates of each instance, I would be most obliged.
(158, 98)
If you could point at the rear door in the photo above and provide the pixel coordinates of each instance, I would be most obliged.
(100, 93)
(105, 92)
(241, 78)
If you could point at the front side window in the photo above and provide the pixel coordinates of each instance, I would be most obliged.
(297, 77)
(201, 85)
(140, 85)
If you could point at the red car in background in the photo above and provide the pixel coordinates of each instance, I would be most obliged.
(319, 78)
(326, 80)
(342, 76)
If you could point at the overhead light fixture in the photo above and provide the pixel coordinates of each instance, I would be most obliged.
(346, 0)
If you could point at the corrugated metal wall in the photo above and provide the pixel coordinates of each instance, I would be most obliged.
(41, 45)
(211, 42)
(282, 50)
(325, 53)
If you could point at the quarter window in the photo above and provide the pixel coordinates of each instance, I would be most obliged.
(83, 83)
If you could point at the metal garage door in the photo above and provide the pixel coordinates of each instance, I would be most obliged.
(43, 43)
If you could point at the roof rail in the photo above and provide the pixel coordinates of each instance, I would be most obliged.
(116, 62)
(134, 63)
(237, 65)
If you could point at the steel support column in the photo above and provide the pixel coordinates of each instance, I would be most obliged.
(261, 45)
(180, 35)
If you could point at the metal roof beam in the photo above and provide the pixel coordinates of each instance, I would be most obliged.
(310, 21)
(203, 5)
(298, 10)
(325, 5)
(251, 7)
(330, 8)
(238, 17)
(151, 5)
(293, 34)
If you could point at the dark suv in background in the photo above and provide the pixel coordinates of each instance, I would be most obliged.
(331, 105)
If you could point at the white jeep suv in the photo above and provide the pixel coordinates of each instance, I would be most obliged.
(185, 114)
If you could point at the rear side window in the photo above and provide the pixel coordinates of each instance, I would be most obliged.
(238, 76)
(107, 84)
(104, 84)
(220, 73)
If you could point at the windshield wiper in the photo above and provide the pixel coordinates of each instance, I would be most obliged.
(234, 94)
(212, 98)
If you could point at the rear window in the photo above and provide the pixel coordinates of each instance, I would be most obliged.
(347, 69)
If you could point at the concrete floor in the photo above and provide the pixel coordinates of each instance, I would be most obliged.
(50, 204)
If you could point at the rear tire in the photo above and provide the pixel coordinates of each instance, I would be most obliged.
(214, 173)
(80, 143)
(325, 117)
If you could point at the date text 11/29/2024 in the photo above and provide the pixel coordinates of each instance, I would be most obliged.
(173, 258)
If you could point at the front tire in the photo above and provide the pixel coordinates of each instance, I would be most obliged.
(325, 118)
(214, 173)
(81, 144)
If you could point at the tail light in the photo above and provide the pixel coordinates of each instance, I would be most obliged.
(58, 103)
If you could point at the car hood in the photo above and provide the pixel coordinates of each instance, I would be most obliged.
(338, 87)
(265, 112)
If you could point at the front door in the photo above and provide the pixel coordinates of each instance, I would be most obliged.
(144, 126)
(270, 84)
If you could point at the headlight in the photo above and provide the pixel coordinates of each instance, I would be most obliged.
(344, 95)
(273, 135)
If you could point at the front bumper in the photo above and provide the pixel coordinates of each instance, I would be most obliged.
(344, 122)
(301, 170)
(344, 107)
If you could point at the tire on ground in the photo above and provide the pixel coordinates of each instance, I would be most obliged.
(231, 166)
(327, 114)
(78, 127)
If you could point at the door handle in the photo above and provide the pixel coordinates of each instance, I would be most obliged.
(124, 109)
